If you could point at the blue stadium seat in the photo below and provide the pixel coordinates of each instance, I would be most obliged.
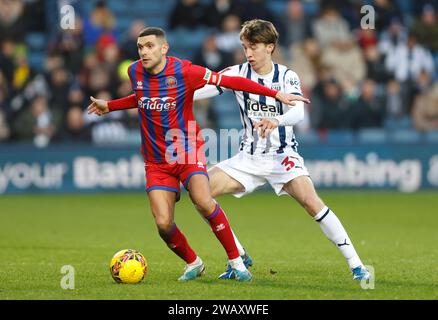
(36, 41)
(277, 7)
(311, 8)
(431, 136)
(184, 39)
(395, 124)
(340, 136)
(306, 138)
(372, 135)
(405, 136)
(36, 60)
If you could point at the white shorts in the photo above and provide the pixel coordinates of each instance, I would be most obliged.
(253, 171)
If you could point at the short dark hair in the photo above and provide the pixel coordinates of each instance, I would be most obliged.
(158, 32)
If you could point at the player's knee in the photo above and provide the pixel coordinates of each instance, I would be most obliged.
(205, 206)
(216, 191)
(311, 203)
(164, 224)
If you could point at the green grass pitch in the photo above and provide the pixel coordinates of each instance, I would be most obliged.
(395, 233)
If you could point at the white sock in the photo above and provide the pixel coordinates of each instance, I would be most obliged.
(237, 264)
(239, 245)
(196, 262)
(335, 232)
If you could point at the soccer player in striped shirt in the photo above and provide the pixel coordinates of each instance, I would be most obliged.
(164, 87)
(268, 152)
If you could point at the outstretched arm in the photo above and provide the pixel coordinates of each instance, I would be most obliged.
(244, 84)
(101, 107)
(200, 76)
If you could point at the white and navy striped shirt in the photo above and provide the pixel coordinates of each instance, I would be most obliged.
(255, 107)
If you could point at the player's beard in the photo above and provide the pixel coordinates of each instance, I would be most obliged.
(152, 67)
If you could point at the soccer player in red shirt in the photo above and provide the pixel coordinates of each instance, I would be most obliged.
(164, 88)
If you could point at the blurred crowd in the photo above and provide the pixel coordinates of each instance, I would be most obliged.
(384, 77)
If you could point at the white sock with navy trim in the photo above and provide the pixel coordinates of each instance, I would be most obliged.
(335, 232)
(238, 244)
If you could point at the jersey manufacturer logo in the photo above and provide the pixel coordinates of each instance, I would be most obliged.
(139, 85)
(171, 82)
(343, 244)
(157, 104)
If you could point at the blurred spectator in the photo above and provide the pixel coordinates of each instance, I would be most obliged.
(76, 96)
(418, 6)
(228, 39)
(385, 10)
(329, 110)
(187, 14)
(367, 38)
(330, 27)
(101, 21)
(74, 129)
(129, 43)
(425, 110)
(109, 129)
(346, 60)
(211, 57)
(368, 109)
(59, 88)
(216, 11)
(37, 124)
(297, 24)
(406, 61)
(4, 128)
(396, 103)
(22, 71)
(426, 28)
(305, 61)
(99, 80)
(69, 44)
(375, 65)
(13, 22)
(7, 59)
(395, 35)
(423, 82)
(37, 10)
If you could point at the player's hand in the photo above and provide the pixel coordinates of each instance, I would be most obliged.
(98, 106)
(288, 98)
(265, 126)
